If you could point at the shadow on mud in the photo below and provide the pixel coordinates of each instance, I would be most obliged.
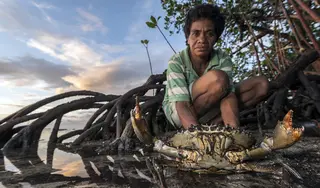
(91, 169)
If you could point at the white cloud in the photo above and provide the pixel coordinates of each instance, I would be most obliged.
(73, 51)
(91, 22)
(112, 77)
(43, 5)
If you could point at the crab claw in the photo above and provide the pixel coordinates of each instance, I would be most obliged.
(284, 134)
(140, 126)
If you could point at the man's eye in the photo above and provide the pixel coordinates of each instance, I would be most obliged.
(211, 33)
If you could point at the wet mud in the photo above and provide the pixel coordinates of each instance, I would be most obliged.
(61, 166)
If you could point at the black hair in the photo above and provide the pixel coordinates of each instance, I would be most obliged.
(204, 11)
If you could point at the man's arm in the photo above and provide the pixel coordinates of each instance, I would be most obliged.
(229, 104)
(186, 113)
(178, 94)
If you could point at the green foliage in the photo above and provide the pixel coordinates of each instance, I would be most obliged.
(145, 42)
(260, 15)
(151, 25)
(153, 22)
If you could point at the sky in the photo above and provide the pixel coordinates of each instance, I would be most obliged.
(50, 47)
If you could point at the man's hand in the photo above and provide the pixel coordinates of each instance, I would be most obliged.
(186, 114)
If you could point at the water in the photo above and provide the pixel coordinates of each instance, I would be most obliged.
(86, 168)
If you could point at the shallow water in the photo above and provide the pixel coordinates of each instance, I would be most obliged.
(86, 168)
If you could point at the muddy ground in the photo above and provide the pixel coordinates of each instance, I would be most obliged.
(86, 168)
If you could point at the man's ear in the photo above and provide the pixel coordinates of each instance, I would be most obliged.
(187, 41)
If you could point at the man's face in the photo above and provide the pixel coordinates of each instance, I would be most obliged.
(202, 37)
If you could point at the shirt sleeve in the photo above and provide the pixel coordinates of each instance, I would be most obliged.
(177, 87)
(226, 66)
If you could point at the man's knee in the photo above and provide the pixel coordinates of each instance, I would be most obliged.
(262, 85)
(218, 82)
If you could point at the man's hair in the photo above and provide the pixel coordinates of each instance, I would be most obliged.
(204, 11)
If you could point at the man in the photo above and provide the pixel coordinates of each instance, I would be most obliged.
(199, 78)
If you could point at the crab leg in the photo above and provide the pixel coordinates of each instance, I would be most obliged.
(160, 147)
(255, 168)
(238, 157)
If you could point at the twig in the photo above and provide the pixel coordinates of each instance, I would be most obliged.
(54, 132)
(261, 34)
(166, 39)
(258, 60)
(259, 109)
(252, 33)
(313, 14)
(297, 38)
(306, 27)
(277, 47)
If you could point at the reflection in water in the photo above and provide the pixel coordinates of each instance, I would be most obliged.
(48, 164)
(60, 166)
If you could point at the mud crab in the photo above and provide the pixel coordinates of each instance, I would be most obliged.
(217, 148)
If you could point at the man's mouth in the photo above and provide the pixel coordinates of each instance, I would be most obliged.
(202, 48)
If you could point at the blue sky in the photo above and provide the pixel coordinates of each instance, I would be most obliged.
(49, 47)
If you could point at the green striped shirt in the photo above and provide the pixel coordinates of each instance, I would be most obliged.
(180, 75)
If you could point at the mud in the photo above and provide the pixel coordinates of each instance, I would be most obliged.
(84, 167)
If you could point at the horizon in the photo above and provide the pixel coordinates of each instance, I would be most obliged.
(57, 46)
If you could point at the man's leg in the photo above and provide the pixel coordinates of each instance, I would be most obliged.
(251, 91)
(211, 89)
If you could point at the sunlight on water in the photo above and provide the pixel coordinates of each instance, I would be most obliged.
(68, 164)
(9, 166)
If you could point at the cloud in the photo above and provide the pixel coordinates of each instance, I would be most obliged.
(91, 22)
(70, 50)
(42, 6)
(113, 77)
(25, 17)
(93, 67)
(88, 65)
(13, 17)
(28, 71)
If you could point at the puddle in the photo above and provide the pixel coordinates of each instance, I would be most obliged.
(86, 168)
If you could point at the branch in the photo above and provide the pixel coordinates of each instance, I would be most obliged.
(252, 33)
(261, 34)
(313, 14)
(26, 110)
(69, 135)
(13, 122)
(288, 76)
(297, 38)
(258, 60)
(306, 27)
(292, 16)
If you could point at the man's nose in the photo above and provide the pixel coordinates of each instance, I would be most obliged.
(202, 37)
